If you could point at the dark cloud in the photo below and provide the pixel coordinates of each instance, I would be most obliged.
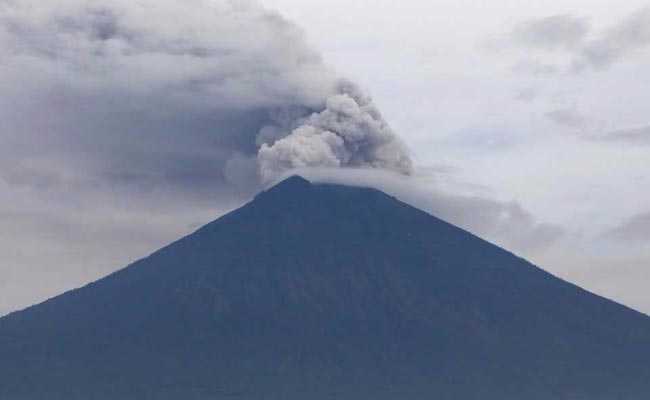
(121, 96)
(100, 24)
(131, 90)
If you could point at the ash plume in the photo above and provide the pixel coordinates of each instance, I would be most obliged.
(178, 94)
(350, 131)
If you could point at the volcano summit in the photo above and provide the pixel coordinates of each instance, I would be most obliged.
(315, 291)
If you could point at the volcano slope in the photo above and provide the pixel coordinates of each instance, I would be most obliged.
(314, 291)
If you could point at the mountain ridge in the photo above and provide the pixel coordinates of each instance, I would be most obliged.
(314, 289)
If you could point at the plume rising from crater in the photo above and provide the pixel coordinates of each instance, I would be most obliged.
(181, 94)
(349, 131)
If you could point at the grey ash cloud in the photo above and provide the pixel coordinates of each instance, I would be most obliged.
(350, 131)
(130, 90)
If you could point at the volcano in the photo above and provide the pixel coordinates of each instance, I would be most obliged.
(318, 291)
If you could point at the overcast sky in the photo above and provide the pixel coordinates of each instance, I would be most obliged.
(525, 122)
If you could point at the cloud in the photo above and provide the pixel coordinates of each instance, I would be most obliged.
(536, 67)
(568, 44)
(350, 132)
(552, 33)
(567, 117)
(131, 94)
(625, 38)
(613, 263)
(526, 95)
(632, 136)
(485, 138)
(635, 229)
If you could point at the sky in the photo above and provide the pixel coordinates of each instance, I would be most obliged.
(127, 124)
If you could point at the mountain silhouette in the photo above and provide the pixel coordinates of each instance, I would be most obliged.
(318, 291)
